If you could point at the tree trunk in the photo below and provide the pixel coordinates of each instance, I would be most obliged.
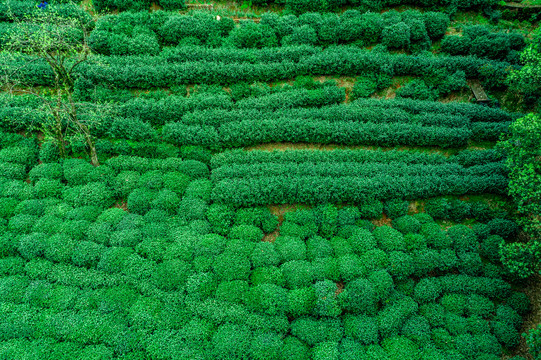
(93, 154)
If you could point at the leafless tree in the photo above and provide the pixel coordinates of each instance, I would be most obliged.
(60, 41)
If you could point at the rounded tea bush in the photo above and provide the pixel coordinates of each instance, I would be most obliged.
(389, 239)
(407, 224)
(396, 36)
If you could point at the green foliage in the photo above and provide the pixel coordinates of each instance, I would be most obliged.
(396, 208)
(290, 248)
(229, 266)
(268, 299)
(389, 239)
(93, 194)
(298, 274)
(231, 342)
(266, 346)
(220, 217)
(313, 331)
(265, 254)
(396, 36)
(407, 224)
(246, 232)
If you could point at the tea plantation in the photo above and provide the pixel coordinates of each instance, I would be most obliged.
(299, 179)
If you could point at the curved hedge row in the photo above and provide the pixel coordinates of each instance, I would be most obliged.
(150, 72)
(353, 190)
(139, 33)
(246, 133)
(481, 41)
(257, 157)
(349, 169)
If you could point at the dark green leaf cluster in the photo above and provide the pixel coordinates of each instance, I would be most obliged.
(481, 41)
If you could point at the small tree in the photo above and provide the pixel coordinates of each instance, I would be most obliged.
(60, 41)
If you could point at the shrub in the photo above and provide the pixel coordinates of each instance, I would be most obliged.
(434, 313)
(295, 349)
(32, 246)
(246, 232)
(87, 254)
(407, 224)
(396, 36)
(210, 245)
(113, 259)
(348, 216)
(363, 87)
(7, 207)
(172, 275)
(260, 217)
(233, 291)
(313, 331)
(240, 247)
(93, 194)
(48, 188)
(176, 181)
(396, 208)
(505, 313)
(290, 248)
(220, 217)
(418, 89)
(192, 208)
(490, 247)
(389, 239)
(362, 328)
(393, 316)
(166, 200)
(417, 329)
(59, 248)
(230, 266)
(22, 224)
(151, 180)
(199, 188)
(318, 247)
(359, 296)
(415, 242)
(362, 241)
(265, 254)
(503, 227)
(428, 290)
(301, 301)
(268, 299)
(478, 305)
(200, 286)
(401, 265)
(463, 238)
(506, 334)
(266, 346)
(302, 35)
(436, 23)
(454, 303)
(435, 236)
(231, 342)
(341, 246)
(152, 249)
(297, 274)
(371, 210)
(326, 302)
(30, 207)
(326, 351)
(267, 275)
(326, 268)
(455, 45)
(519, 302)
(351, 267)
(382, 283)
